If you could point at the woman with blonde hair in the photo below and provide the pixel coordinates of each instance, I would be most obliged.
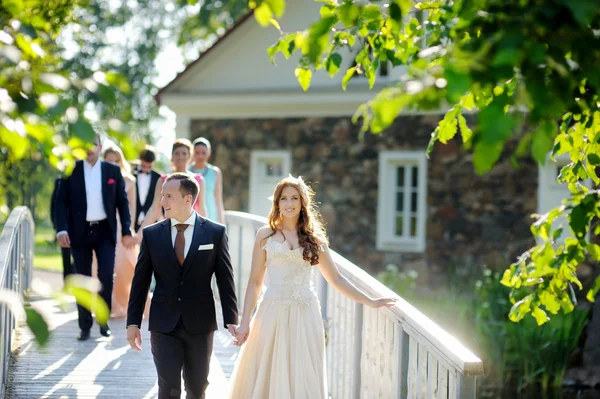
(125, 258)
(284, 352)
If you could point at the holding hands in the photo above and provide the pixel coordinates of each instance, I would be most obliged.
(239, 333)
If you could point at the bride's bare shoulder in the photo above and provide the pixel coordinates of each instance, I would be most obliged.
(263, 232)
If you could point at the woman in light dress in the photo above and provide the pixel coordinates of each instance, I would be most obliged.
(213, 178)
(283, 353)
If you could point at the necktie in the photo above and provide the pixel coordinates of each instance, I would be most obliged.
(180, 242)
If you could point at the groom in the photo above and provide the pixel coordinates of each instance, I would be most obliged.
(183, 252)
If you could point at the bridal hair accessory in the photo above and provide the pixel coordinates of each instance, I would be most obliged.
(299, 178)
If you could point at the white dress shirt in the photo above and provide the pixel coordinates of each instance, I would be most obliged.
(143, 183)
(187, 234)
(93, 191)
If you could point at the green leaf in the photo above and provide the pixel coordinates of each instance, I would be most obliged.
(507, 56)
(594, 250)
(332, 64)
(85, 290)
(15, 7)
(304, 77)
(520, 309)
(395, 12)
(584, 11)
(539, 315)
(591, 295)
(485, 156)
(496, 126)
(594, 159)
(277, 6)
(579, 220)
(17, 144)
(465, 131)
(83, 129)
(118, 81)
(263, 14)
(349, 14)
(458, 84)
(347, 76)
(38, 326)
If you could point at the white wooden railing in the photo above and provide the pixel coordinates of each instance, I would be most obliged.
(384, 353)
(16, 259)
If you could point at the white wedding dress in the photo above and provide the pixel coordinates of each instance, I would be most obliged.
(284, 356)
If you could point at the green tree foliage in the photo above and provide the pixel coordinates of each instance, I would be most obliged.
(42, 105)
(530, 70)
(203, 24)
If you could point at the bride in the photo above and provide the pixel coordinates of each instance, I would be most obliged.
(284, 352)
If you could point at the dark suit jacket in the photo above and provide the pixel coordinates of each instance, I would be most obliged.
(71, 207)
(54, 200)
(154, 177)
(183, 291)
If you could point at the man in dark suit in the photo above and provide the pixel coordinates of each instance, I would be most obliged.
(86, 213)
(183, 252)
(68, 267)
(146, 181)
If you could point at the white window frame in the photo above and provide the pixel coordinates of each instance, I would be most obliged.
(387, 240)
(255, 156)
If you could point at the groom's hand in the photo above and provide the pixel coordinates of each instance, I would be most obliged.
(134, 337)
(231, 328)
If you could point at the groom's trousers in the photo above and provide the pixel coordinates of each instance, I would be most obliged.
(177, 351)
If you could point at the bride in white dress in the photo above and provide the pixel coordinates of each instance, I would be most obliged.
(284, 352)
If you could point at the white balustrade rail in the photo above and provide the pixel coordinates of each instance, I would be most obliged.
(16, 259)
(372, 353)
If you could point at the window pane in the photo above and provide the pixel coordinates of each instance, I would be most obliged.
(399, 226)
(413, 226)
(399, 201)
(413, 201)
(400, 178)
(415, 176)
(274, 168)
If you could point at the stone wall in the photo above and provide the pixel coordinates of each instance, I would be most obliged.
(472, 220)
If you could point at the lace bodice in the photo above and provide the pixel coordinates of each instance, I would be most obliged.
(289, 276)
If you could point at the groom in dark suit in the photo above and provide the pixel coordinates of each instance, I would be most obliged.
(183, 252)
(86, 217)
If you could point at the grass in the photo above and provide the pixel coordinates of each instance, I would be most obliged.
(46, 254)
(51, 261)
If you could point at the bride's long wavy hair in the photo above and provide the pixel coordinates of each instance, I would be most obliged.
(311, 230)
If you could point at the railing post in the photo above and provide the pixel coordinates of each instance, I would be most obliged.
(467, 387)
(403, 357)
(358, 328)
(323, 293)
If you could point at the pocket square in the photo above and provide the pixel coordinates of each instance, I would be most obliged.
(110, 181)
(205, 247)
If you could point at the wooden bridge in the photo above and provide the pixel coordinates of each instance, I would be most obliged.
(384, 353)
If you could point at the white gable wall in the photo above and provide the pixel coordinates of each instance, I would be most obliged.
(237, 80)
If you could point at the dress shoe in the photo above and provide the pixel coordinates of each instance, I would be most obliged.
(105, 331)
(84, 335)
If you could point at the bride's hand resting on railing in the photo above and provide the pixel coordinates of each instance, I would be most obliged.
(241, 334)
(381, 302)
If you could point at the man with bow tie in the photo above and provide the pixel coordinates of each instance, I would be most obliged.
(86, 218)
(147, 185)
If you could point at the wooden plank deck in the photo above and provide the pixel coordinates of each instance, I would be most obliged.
(100, 367)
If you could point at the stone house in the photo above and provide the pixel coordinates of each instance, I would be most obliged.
(383, 201)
